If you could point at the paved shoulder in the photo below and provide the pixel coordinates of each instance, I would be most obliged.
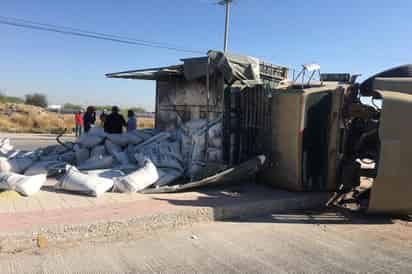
(305, 243)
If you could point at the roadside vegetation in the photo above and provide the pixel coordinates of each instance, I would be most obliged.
(36, 99)
(29, 115)
(21, 118)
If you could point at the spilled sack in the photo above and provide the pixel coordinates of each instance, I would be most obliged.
(138, 180)
(16, 165)
(98, 163)
(25, 185)
(81, 154)
(89, 141)
(76, 181)
(6, 149)
(106, 173)
(44, 167)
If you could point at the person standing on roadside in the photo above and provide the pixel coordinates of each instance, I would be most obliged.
(114, 122)
(131, 121)
(102, 117)
(78, 120)
(89, 118)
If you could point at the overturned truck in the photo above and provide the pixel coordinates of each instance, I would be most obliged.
(226, 118)
(315, 137)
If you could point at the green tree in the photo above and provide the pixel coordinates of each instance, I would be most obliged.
(100, 108)
(70, 106)
(138, 109)
(36, 99)
(10, 99)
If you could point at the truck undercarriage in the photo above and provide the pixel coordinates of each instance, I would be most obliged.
(374, 172)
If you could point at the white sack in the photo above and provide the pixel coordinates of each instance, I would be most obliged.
(194, 126)
(6, 149)
(16, 165)
(55, 149)
(43, 167)
(50, 157)
(190, 130)
(194, 168)
(25, 185)
(82, 154)
(129, 168)
(122, 158)
(142, 135)
(137, 136)
(64, 149)
(98, 151)
(4, 141)
(216, 135)
(193, 142)
(89, 140)
(5, 165)
(112, 148)
(98, 163)
(119, 139)
(198, 147)
(68, 157)
(131, 151)
(97, 131)
(145, 133)
(215, 154)
(196, 158)
(167, 176)
(76, 181)
(106, 173)
(163, 155)
(138, 180)
(161, 137)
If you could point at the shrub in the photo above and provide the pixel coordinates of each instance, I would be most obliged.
(10, 99)
(36, 99)
(72, 107)
(143, 122)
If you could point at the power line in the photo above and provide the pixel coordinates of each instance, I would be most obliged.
(22, 23)
(84, 31)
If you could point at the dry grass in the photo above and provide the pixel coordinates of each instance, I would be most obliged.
(24, 118)
(145, 122)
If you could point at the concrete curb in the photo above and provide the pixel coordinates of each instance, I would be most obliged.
(139, 226)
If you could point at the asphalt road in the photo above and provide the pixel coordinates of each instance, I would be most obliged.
(272, 244)
(32, 141)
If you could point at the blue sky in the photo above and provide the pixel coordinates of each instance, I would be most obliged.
(343, 36)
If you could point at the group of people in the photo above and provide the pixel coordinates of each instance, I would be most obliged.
(112, 123)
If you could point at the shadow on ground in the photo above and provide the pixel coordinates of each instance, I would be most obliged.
(232, 195)
(322, 216)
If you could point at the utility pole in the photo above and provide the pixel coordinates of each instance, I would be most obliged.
(227, 4)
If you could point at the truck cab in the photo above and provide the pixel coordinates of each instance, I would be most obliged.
(345, 137)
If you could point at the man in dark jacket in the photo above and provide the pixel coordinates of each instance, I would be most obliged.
(89, 118)
(114, 122)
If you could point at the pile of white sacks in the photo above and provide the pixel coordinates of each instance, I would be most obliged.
(99, 162)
